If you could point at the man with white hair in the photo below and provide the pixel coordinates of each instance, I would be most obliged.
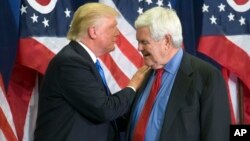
(185, 98)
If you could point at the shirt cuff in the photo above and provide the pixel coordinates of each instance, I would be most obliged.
(132, 88)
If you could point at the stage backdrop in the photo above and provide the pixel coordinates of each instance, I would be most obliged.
(33, 31)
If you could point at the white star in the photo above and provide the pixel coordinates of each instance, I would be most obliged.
(34, 18)
(160, 3)
(231, 17)
(242, 20)
(67, 12)
(169, 5)
(149, 1)
(221, 7)
(23, 9)
(205, 8)
(140, 10)
(45, 22)
(213, 20)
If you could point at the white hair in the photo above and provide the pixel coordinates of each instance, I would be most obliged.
(161, 21)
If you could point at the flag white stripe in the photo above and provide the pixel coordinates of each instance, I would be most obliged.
(112, 84)
(233, 91)
(242, 41)
(124, 63)
(54, 44)
(2, 137)
(30, 120)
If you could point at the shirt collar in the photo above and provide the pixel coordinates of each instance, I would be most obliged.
(91, 54)
(174, 63)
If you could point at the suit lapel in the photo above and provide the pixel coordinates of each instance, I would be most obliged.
(180, 89)
(82, 52)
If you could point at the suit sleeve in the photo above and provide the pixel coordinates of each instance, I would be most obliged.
(215, 114)
(83, 91)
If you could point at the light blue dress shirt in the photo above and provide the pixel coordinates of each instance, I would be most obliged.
(158, 112)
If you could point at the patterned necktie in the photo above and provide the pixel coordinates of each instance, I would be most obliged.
(101, 72)
(140, 127)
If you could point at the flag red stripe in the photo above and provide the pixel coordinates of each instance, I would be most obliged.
(241, 2)
(5, 127)
(19, 93)
(246, 105)
(129, 51)
(34, 55)
(228, 55)
(4, 124)
(43, 2)
(121, 79)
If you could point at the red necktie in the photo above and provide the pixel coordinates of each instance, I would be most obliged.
(140, 127)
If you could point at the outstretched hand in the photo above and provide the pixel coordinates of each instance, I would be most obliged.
(138, 77)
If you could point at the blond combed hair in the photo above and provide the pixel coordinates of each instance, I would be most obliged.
(88, 15)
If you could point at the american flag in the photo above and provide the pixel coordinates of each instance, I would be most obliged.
(43, 27)
(225, 38)
(8, 45)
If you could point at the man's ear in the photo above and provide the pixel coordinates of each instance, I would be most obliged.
(92, 32)
(168, 39)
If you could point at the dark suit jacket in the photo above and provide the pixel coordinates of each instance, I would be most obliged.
(198, 108)
(73, 105)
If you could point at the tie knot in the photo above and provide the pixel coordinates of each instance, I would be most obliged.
(99, 68)
(159, 72)
(97, 63)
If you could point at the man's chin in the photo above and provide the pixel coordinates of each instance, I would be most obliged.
(112, 49)
(151, 64)
(148, 63)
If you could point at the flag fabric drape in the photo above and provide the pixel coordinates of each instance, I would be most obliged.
(9, 19)
(41, 27)
(224, 38)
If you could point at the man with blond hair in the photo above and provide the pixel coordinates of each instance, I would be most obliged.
(75, 103)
